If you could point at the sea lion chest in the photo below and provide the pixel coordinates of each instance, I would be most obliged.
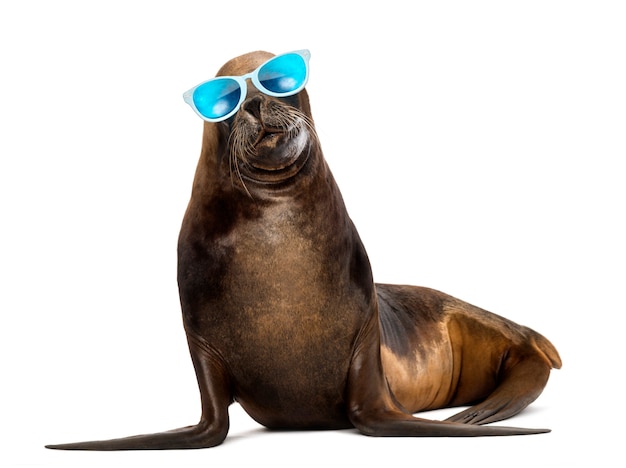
(274, 298)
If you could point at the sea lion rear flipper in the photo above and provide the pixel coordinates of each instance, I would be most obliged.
(374, 411)
(521, 382)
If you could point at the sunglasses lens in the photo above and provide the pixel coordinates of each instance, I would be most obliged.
(284, 74)
(217, 98)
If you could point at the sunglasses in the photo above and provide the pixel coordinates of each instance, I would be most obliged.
(219, 98)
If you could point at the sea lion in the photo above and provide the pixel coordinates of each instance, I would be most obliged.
(282, 314)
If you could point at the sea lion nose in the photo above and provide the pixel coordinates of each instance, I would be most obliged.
(252, 105)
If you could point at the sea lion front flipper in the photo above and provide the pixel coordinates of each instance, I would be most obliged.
(215, 395)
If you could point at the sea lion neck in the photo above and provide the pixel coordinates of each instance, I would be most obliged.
(282, 314)
(222, 196)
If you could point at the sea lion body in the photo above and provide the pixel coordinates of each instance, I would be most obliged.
(282, 314)
(274, 282)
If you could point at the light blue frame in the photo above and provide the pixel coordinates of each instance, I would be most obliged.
(241, 81)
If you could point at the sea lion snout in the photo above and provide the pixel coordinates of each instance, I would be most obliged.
(268, 133)
(282, 313)
(252, 106)
(267, 116)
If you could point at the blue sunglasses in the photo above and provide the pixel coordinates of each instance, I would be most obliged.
(219, 98)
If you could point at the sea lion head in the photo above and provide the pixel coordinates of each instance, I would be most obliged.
(269, 139)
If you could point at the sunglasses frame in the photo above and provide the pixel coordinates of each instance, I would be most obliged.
(254, 77)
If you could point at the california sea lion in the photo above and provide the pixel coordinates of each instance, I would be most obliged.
(280, 309)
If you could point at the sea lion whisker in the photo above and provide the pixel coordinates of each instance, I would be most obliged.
(294, 119)
(238, 146)
(274, 287)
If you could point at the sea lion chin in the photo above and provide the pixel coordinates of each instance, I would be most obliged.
(282, 314)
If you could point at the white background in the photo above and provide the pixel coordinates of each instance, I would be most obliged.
(479, 147)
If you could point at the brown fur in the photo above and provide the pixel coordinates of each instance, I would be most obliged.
(282, 314)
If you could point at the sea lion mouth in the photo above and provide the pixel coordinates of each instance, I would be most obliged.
(269, 140)
(279, 156)
(270, 144)
(267, 136)
(276, 150)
